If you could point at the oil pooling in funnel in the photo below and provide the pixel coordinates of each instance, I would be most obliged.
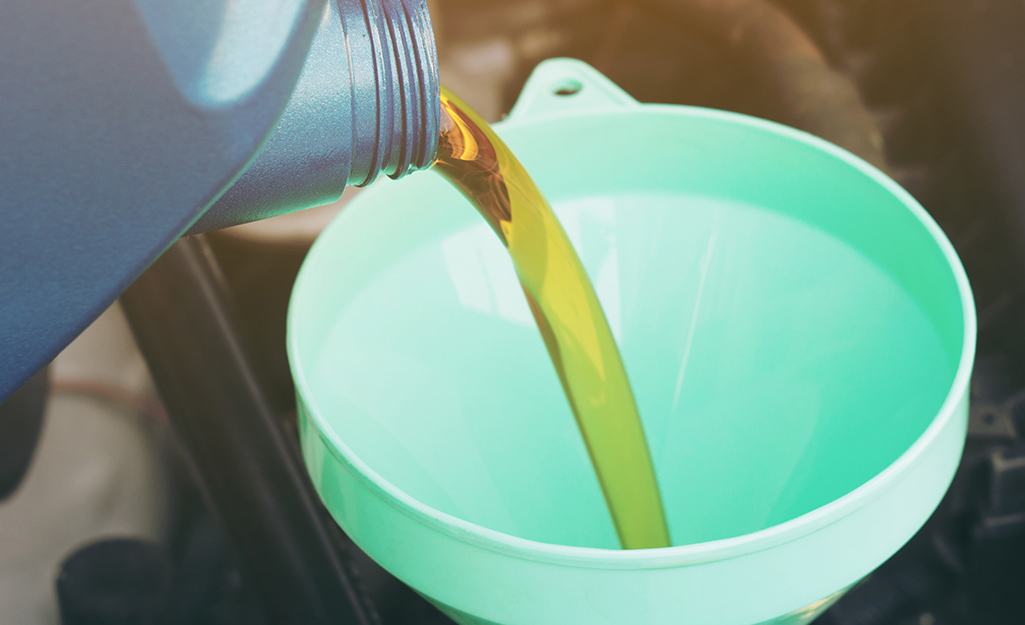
(568, 314)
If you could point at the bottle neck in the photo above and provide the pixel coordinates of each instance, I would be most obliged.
(395, 87)
(367, 103)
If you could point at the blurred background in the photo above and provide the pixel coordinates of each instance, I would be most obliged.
(933, 91)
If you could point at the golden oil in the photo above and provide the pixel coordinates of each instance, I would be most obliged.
(568, 314)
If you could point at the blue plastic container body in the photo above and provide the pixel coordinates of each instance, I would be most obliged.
(122, 121)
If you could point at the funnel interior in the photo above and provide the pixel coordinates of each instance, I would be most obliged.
(789, 328)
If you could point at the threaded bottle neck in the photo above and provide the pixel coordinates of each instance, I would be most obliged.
(395, 89)
(367, 103)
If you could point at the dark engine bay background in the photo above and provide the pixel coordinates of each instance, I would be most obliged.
(931, 90)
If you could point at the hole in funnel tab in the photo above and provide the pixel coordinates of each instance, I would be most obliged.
(567, 87)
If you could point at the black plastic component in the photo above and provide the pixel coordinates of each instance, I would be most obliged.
(261, 275)
(207, 588)
(183, 319)
(113, 582)
(996, 566)
(21, 421)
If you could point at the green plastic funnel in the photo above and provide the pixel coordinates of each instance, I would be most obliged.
(798, 332)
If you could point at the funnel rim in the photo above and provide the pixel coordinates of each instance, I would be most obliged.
(667, 557)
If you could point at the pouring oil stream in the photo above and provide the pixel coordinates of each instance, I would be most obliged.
(478, 163)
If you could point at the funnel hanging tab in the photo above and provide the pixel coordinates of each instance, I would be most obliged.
(568, 85)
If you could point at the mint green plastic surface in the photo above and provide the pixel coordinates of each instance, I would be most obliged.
(798, 332)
